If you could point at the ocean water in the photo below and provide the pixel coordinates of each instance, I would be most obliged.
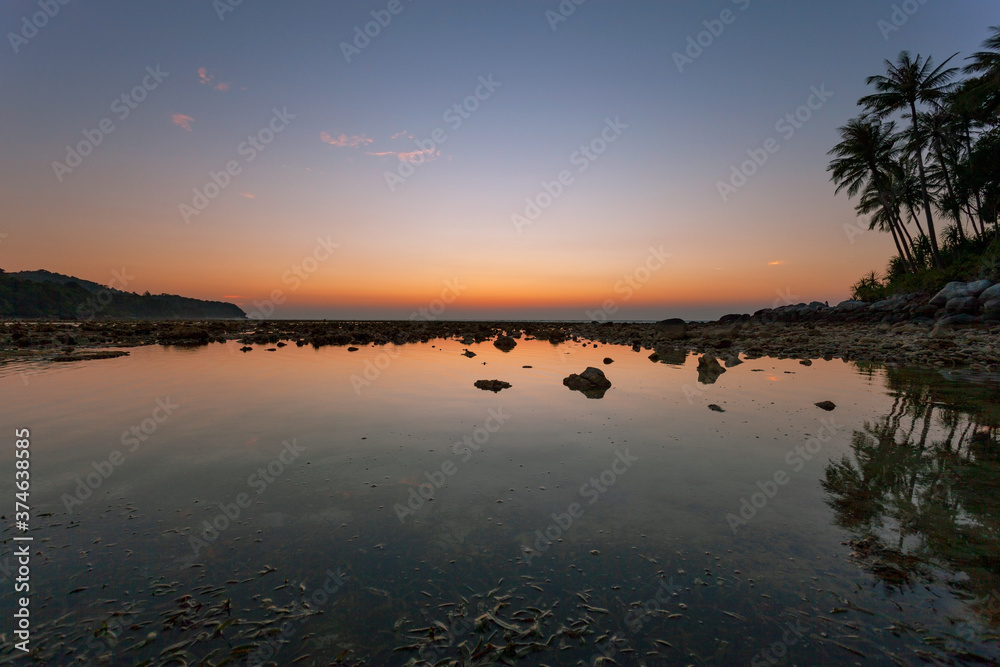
(303, 506)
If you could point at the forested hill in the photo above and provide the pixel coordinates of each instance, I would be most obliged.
(46, 294)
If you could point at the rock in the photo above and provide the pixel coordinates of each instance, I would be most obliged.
(715, 408)
(951, 291)
(608, 360)
(991, 294)
(941, 330)
(892, 304)
(806, 362)
(246, 348)
(90, 356)
(591, 382)
(350, 349)
(504, 343)
(826, 405)
(960, 320)
(962, 304)
(991, 310)
(850, 306)
(672, 356)
(469, 354)
(978, 287)
(733, 360)
(492, 385)
(655, 357)
(709, 369)
(672, 329)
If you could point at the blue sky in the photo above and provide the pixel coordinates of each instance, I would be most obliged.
(656, 184)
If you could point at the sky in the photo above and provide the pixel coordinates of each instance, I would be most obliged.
(388, 159)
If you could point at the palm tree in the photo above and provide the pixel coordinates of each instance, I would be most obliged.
(908, 82)
(986, 88)
(940, 127)
(863, 163)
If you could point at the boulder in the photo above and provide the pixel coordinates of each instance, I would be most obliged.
(591, 382)
(469, 354)
(991, 310)
(978, 287)
(608, 360)
(672, 329)
(991, 294)
(851, 306)
(671, 356)
(962, 304)
(505, 343)
(951, 291)
(709, 369)
(826, 405)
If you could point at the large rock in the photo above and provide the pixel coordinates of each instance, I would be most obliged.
(962, 304)
(892, 304)
(505, 343)
(592, 382)
(851, 306)
(709, 369)
(672, 329)
(978, 287)
(952, 290)
(991, 310)
(991, 293)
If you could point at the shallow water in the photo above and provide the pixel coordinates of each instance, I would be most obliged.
(641, 526)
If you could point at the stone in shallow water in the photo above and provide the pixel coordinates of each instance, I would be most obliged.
(505, 343)
(715, 408)
(592, 382)
(826, 405)
(709, 369)
(492, 385)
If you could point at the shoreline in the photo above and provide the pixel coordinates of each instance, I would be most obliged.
(804, 331)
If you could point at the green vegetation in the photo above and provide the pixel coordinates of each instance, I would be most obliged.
(940, 169)
(27, 298)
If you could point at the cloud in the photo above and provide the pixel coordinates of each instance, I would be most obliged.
(425, 155)
(248, 195)
(344, 140)
(777, 262)
(182, 120)
(207, 79)
(404, 134)
(231, 296)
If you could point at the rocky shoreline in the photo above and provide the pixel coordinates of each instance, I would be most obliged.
(958, 327)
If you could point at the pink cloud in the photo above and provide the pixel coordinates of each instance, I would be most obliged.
(404, 134)
(344, 140)
(207, 79)
(413, 156)
(182, 120)
(248, 195)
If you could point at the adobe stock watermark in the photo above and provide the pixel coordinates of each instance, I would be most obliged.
(565, 9)
(631, 283)
(381, 18)
(383, 360)
(696, 44)
(320, 596)
(469, 444)
(901, 13)
(96, 303)
(592, 490)
(229, 513)
(429, 148)
(581, 158)
(776, 652)
(31, 24)
(294, 277)
(786, 126)
(223, 7)
(248, 149)
(122, 107)
(132, 439)
(796, 459)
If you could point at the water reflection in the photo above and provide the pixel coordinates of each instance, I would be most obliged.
(919, 493)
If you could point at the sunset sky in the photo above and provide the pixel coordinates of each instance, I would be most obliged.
(470, 107)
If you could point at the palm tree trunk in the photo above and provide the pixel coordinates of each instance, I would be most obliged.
(923, 185)
(956, 210)
(905, 234)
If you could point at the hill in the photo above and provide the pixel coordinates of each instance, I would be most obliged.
(43, 294)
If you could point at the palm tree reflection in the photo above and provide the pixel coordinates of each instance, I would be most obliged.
(921, 492)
